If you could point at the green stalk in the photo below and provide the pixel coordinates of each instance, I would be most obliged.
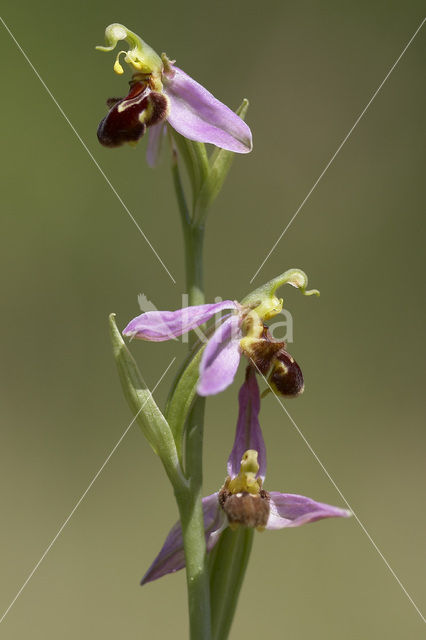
(228, 563)
(189, 501)
(191, 515)
(194, 267)
(194, 242)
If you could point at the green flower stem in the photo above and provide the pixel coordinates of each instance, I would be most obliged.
(191, 515)
(189, 501)
(228, 563)
(180, 194)
(194, 267)
(194, 241)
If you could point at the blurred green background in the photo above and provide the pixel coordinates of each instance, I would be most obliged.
(70, 255)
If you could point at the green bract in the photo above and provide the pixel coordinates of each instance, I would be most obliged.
(152, 422)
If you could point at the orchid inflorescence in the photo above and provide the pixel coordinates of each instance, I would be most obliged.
(162, 98)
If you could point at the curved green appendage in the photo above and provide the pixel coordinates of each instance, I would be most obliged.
(263, 299)
(219, 165)
(182, 396)
(227, 565)
(153, 424)
(141, 57)
(296, 277)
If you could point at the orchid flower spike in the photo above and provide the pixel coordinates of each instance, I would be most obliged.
(243, 331)
(242, 501)
(160, 92)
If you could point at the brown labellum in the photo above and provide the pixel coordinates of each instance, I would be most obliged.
(262, 350)
(246, 509)
(129, 117)
(159, 104)
(286, 376)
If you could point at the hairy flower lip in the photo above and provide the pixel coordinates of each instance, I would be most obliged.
(128, 118)
(286, 377)
(285, 510)
(245, 509)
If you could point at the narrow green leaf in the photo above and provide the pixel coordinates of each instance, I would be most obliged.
(153, 424)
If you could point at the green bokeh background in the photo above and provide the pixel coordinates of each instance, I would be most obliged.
(70, 255)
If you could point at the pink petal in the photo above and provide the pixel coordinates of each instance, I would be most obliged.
(220, 359)
(157, 326)
(289, 510)
(155, 139)
(196, 114)
(172, 557)
(248, 434)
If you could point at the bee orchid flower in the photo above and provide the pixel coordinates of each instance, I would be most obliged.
(160, 92)
(242, 501)
(241, 332)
